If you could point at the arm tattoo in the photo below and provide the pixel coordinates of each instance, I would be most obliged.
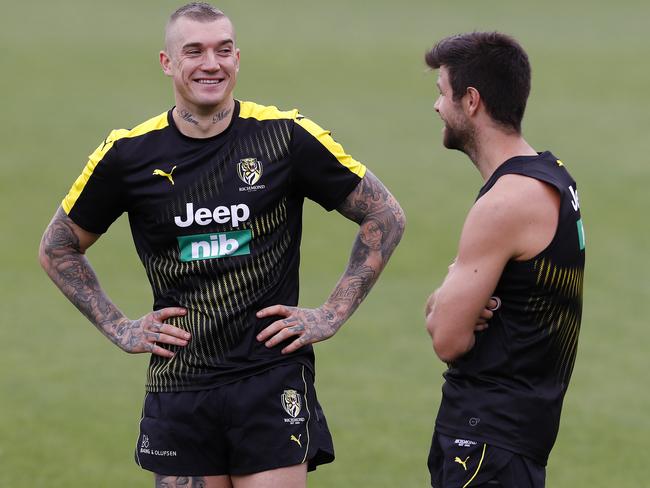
(381, 225)
(64, 261)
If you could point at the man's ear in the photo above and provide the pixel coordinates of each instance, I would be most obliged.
(471, 100)
(165, 62)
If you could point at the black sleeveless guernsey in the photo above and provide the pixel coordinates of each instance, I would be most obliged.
(507, 391)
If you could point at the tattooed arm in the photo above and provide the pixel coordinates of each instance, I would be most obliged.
(381, 225)
(62, 255)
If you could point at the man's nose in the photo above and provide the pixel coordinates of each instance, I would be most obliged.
(211, 62)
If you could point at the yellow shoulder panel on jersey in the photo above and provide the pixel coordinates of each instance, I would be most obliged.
(323, 136)
(249, 110)
(156, 123)
(261, 112)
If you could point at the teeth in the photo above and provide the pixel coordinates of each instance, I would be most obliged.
(209, 82)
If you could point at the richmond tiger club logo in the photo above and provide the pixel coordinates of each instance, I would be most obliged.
(250, 171)
(292, 404)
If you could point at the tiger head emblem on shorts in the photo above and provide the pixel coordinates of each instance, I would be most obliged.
(291, 402)
(249, 170)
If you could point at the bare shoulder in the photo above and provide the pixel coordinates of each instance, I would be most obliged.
(520, 212)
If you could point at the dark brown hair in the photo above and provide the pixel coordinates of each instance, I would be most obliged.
(493, 63)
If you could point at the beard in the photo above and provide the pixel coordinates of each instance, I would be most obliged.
(460, 137)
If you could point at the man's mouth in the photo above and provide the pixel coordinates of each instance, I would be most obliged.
(204, 81)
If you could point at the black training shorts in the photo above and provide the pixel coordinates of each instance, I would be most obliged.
(261, 422)
(464, 463)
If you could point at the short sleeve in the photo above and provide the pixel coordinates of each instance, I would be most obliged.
(95, 201)
(325, 172)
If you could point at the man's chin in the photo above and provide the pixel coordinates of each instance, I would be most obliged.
(451, 140)
(451, 143)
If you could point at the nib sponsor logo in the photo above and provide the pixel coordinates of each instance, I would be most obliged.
(211, 246)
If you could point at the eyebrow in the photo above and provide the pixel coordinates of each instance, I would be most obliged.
(190, 45)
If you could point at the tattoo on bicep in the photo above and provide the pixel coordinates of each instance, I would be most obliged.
(60, 235)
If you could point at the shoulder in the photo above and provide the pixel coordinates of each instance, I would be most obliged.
(252, 110)
(513, 196)
(153, 124)
(118, 135)
(515, 209)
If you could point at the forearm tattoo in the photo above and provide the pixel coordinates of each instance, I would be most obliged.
(382, 223)
(68, 267)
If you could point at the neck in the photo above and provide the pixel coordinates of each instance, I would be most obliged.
(202, 123)
(494, 147)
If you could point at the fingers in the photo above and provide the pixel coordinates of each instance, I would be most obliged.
(165, 313)
(281, 310)
(494, 303)
(294, 346)
(171, 330)
(486, 314)
(156, 332)
(161, 351)
(166, 338)
(278, 325)
(279, 331)
(167, 333)
(282, 330)
(480, 327)
(285, 330)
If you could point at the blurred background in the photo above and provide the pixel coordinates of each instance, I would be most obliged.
(72, 71)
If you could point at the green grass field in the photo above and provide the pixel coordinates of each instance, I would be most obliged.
(72, 70)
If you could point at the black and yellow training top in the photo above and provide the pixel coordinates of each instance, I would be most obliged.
(217, 225)
(508, 390)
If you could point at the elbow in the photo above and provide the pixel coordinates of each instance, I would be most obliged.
(447, 352)
(449, 347)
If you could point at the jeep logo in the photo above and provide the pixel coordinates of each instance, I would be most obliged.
(221, 215)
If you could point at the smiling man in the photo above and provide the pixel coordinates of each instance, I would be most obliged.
(523, 243)
(214, 189)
